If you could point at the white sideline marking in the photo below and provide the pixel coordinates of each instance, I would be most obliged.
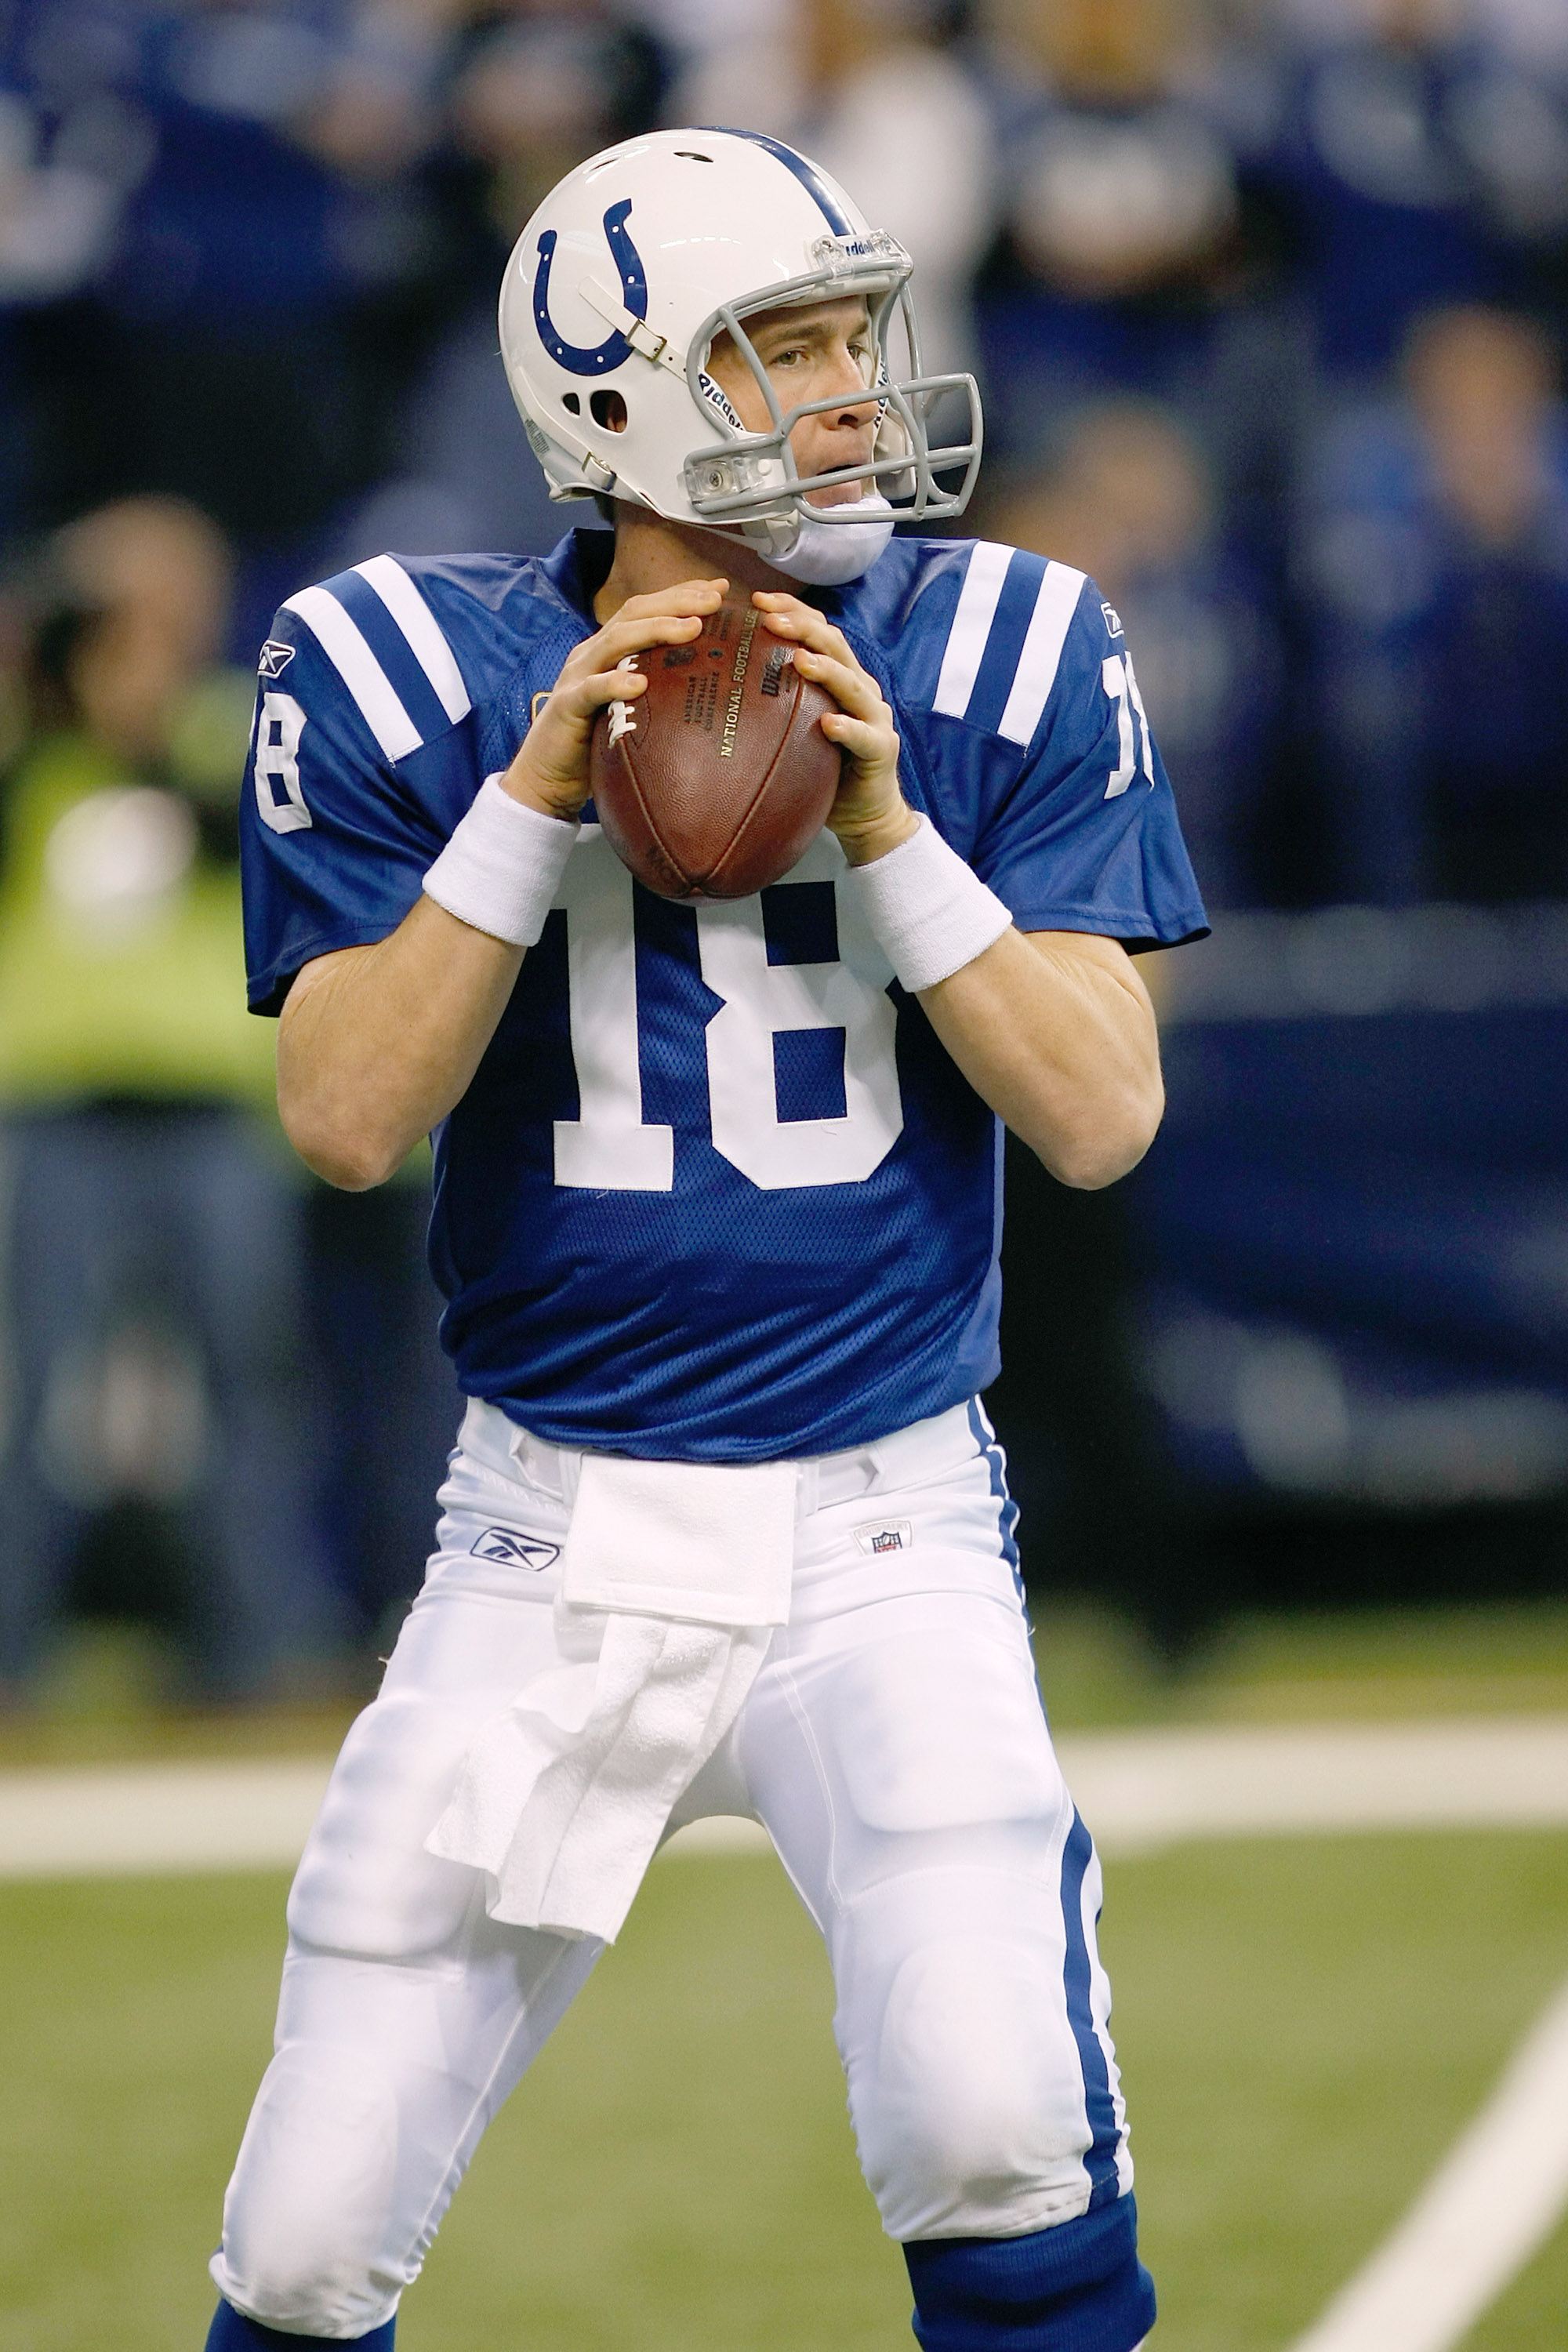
(1493, 2200)
(141, 1818)
(1138, 1791)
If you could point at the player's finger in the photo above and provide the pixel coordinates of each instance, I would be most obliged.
(848, 685)
(587, 695)
(637, 634)
(874, 751)
(779, 601)
(786, 616)
(624, 635)
(574, 703)
(647, 628)
(856, 735)
(617, 685)
(687, 596)
(819, 640)
(615, 644)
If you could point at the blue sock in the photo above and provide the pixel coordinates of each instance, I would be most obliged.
(232, 2332)
(1079, 2288)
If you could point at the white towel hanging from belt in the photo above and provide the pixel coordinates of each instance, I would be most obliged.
(674, 1575)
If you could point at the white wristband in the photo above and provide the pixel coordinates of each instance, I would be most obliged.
(930, 913)
(502, 866)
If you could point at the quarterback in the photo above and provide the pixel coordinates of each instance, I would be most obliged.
(717, 1219)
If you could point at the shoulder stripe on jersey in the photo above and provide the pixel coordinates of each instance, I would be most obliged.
(1036, 672)
(340, 639)
(422, 629)
(971, 629)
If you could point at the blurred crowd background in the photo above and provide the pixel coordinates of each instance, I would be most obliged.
(1268, 301)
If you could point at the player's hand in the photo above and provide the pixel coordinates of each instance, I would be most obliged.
(871, 814)
(550, 772)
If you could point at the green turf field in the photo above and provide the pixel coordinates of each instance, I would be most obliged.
(1304, 2024)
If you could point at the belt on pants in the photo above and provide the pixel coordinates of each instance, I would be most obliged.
(903, 1458)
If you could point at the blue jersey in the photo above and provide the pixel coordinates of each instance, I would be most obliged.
(716, 1191)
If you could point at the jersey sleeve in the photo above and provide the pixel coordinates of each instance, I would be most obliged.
(1046, 774)
(357, 774)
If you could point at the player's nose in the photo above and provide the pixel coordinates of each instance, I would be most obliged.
(848, 382)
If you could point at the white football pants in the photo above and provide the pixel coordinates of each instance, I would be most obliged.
(895, 1749)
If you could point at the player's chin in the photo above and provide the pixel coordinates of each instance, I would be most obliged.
(837, 494)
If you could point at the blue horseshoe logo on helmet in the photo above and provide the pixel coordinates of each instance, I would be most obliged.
(595, 359)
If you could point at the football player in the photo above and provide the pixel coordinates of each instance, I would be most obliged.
(717, 1221)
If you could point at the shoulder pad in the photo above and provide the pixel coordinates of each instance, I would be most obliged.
(417, 642)
(1002, 644)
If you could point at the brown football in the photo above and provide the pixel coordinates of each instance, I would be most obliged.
(718, 779)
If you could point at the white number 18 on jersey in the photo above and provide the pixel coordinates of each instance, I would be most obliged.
(608, 1147)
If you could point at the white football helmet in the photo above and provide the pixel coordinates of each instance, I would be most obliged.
(620, 284)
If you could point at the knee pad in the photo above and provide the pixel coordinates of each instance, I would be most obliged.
(305, 2221)
(984, 2089)
(972, 2114)
(1079, 2288)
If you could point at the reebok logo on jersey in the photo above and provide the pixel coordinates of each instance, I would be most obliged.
(885, 1535)
(1112, 619)
(519, 1550)
(275, 658)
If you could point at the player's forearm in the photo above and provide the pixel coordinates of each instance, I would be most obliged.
(1056, 1032)
(377, 1044)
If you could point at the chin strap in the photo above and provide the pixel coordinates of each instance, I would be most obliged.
(638, 332)
(821, 554)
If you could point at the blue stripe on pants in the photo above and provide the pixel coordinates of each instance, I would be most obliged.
(996, 1463)
(1100, 2161)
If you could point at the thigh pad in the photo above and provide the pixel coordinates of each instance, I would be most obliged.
(937, 1730)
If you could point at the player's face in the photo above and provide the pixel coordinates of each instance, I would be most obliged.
(817, 351)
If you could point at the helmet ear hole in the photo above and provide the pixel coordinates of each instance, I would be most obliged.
(571, 403)
(608, 409)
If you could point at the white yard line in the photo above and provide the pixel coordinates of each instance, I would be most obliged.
(1492, 2203)
(1138, 1791)
(139, 1818)
(1141, 1789)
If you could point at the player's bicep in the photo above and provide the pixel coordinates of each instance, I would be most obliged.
(321, 971)
(1105, 967)
(1102, 955)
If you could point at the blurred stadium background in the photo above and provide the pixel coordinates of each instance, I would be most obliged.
(1268, 300)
